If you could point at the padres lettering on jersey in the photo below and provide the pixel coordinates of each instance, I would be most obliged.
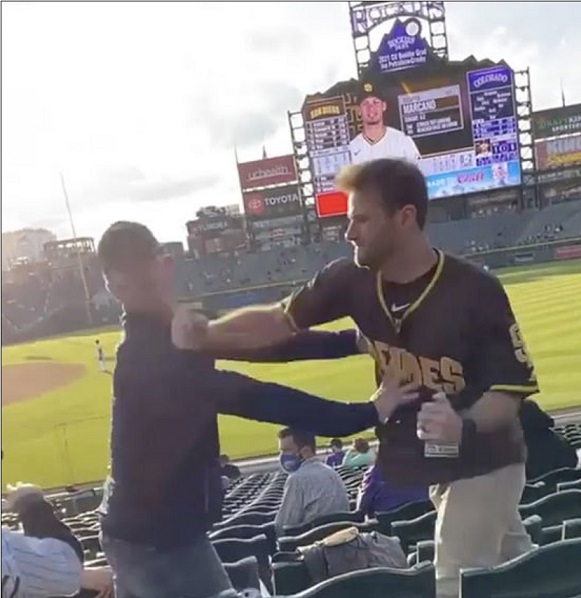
(393, 144)
(440, 375)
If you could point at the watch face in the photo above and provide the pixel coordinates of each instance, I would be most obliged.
(412, 28)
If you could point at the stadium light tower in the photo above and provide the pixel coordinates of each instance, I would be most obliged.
(78, 251)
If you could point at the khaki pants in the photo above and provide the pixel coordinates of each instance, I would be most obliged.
(478, 525)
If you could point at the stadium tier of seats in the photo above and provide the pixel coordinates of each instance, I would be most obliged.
(245, 540)
(52, 300)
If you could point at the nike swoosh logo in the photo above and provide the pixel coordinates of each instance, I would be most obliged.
(395, 307)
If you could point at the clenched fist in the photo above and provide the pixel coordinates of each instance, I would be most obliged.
(390, 395)
(437, 421)
(188, 329)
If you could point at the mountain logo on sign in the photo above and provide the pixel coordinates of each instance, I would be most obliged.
(402, 48)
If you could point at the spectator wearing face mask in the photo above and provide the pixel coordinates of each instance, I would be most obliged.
(312, 488)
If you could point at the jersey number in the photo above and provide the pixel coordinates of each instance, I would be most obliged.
(518, 343)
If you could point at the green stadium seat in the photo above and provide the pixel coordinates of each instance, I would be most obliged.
(573, 485)
(555, 508)
(565, 474)
(571, 529)
(418, 582)
(289, 577)
(290, 543)
(414, 531)
(533, 492)
(551, 571)
(244, 574)
(245, 532)
(408, 511)
(353, 516)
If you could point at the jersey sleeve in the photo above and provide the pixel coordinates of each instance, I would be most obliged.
(327, 297)
(503, 362)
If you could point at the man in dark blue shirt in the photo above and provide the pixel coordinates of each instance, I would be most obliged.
(157, 503)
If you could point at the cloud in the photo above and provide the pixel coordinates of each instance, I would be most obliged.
(144, 125)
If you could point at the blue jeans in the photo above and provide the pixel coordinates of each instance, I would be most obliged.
(142, 571)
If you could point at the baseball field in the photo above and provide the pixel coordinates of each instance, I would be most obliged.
(56, 402)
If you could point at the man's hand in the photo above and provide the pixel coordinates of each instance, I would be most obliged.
(19, 492)
(390, 395)
(188, 330)
(438, 421)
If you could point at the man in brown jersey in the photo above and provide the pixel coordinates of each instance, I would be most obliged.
(439, 322)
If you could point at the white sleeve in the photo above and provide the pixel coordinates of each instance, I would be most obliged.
(413, 153)
(38, 568)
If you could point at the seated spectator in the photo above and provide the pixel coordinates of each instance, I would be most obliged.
(228, 469)
(46, 559)
(360, 455)
(337, 453)
(547, 450)
(312, 488)
(376, 495)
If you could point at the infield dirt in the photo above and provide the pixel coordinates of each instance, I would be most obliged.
(25, 381)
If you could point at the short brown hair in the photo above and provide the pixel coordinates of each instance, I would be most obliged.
(301, 438)
(398, 182)
(124, 244)
(361, 445)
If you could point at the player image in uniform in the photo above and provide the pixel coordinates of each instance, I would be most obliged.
(377, 140)
(100, 356)
(439, 322)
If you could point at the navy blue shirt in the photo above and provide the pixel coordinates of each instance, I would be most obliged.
(164, 436)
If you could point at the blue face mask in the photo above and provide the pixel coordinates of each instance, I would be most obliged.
(289, 463)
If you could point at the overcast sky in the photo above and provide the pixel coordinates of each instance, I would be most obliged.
(140, 104)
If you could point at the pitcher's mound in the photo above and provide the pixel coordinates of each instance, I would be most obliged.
(25, 381)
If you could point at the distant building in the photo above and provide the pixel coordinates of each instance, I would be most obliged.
(25, 245)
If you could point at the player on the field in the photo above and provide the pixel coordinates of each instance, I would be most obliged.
(100, 356)
(443, 323)
(376, 140)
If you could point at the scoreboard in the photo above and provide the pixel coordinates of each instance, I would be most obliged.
(327, 137)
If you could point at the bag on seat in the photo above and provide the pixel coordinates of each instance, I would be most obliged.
(349, 550)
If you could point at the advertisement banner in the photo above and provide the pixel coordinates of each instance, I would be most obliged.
(457, 122)
(568, 252)
(557, 121)
(272, 203)
(563, 151)
(270, 171)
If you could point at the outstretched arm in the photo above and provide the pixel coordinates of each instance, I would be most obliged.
(305, 345)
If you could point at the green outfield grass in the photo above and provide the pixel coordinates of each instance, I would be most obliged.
(61, 437)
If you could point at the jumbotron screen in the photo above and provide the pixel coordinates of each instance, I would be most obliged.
(458, 122)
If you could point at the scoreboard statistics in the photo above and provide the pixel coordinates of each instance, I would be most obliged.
(463, 122)
(327, 137)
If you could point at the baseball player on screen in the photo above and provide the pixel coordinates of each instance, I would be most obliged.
(377, 140)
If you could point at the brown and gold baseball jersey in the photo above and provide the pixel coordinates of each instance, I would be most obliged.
(451, 331)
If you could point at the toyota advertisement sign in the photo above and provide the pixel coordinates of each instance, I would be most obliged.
(267, 172)
(272, 203)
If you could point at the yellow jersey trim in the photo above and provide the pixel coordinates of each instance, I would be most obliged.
(516, 388)
(414, 306)
(289, 317)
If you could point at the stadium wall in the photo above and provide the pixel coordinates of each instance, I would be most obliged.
(495, 258)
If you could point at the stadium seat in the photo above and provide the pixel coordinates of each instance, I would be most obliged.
(557, 476)
(414, 531)
(408, 511)
(555, 508)
(353, 516)
(243, 574)
(571, 529)
(290, 543)
(245, 532)
(573, 485)
(289, 576)
(551, 571)
(418, 582)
